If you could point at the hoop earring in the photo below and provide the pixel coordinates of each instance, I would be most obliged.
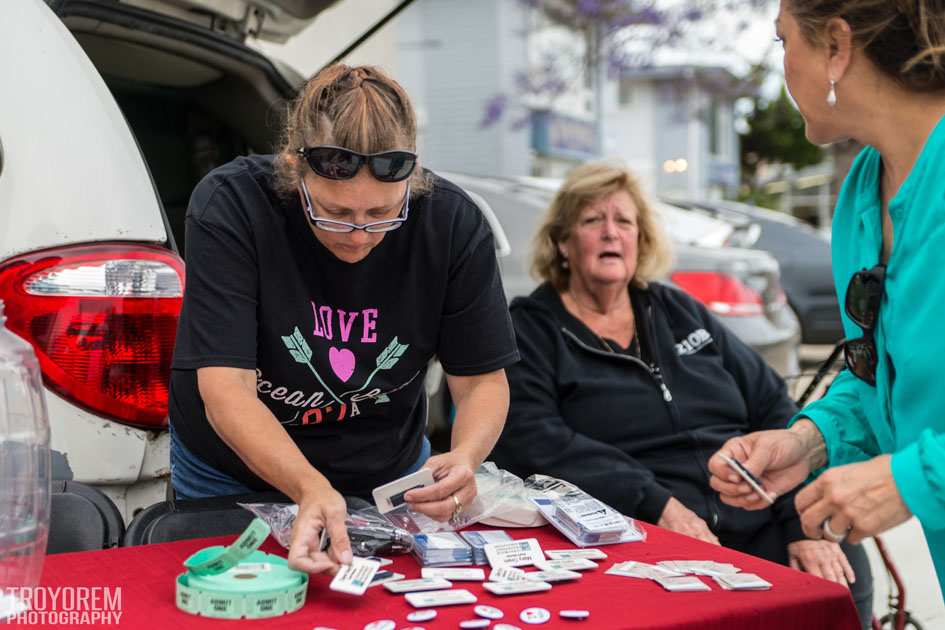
(832, 94)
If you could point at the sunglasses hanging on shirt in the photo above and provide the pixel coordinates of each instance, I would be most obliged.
(339, 163)
(863, 299)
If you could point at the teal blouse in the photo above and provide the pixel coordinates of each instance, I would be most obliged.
(905, 413)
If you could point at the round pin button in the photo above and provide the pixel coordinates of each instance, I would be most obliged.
(535, 616)
(488, 612)
(475, 623)
(381, 624)
(575, 614)
(505, 626)
(422, 615)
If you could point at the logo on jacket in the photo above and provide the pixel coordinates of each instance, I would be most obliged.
(694, 342)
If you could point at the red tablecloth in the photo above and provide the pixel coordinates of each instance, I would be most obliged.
(797, 600)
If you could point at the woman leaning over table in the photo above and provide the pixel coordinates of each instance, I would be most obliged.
(627, 385)
(320, 282)
(874, 71)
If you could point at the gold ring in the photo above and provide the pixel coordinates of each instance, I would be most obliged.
(458, 507)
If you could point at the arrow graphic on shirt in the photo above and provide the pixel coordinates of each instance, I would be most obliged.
(385, 361)
(302, 353)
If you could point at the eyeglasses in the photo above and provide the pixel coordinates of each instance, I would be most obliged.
(339, 163)
(333, 225)
(864, 296)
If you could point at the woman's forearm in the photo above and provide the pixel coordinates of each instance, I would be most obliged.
(813, 441)
(482, 403)
(247, 426)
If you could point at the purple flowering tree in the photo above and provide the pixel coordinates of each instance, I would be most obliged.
(624, 34)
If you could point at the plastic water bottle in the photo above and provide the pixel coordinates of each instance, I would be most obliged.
(24, 471)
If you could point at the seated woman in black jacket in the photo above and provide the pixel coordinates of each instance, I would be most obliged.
(626, 387)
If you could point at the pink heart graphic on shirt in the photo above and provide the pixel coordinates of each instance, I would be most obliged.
(342, 363)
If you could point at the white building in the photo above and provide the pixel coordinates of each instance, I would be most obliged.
(674, 127)
(454, 56)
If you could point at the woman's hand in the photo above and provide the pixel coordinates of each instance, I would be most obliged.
(453, 473)
(779, 458)
(680, 519)
(861, 498)
(320, 508)
(821, 558)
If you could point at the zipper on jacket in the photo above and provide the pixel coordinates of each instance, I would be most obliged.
(652, 369)
(658, 375)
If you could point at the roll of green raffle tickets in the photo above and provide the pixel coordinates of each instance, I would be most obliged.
(239, 581)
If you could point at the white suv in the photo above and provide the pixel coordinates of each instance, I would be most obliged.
(111, 112)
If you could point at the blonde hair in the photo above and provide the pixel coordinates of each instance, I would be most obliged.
(583, 186)
(359, 108)
(905, 39)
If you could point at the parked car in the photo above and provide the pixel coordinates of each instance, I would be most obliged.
(740, 286)
(804, 256)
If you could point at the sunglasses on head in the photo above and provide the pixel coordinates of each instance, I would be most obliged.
(864, 296)
(340, 163)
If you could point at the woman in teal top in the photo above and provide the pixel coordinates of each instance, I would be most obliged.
(872, 70)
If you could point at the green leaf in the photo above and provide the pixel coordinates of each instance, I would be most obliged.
(383, 398)
(392, 353)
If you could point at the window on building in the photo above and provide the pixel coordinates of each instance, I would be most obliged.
(624, 92)
(715, 131)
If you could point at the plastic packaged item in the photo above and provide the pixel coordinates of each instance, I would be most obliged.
(499, 496)
(369, 532)
(24, 471)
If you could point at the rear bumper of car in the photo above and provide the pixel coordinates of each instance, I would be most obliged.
(130, 465)
(775, 338)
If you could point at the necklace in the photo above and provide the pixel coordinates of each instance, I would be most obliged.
(633, 348)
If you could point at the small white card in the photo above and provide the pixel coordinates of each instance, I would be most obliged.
(742, 582)
(686, 583)
(566, 564)
(566, 554)
(518, 553)
(440, 598)
(554, 575)
(746, 475)
(457, 575)
(381, 561)
(354, 578)
(382, 577)
(423, 584)
(640, 570)
(506, 574)
(391, 495)
(516, 588)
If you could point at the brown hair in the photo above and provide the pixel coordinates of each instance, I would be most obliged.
(359, 108)
(583, 186)
(905, 39)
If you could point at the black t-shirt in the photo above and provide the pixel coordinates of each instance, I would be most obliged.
(340, 350)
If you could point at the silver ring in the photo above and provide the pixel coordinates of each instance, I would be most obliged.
(831, 535)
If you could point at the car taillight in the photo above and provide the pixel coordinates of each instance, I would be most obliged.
(721, 293)
(102, 319)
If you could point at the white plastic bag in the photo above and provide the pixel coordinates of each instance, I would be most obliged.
(370, 534)
(498, 495)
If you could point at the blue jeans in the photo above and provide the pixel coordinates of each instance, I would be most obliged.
(192, 478)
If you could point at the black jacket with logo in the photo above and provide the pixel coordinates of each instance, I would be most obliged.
(633, 432)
